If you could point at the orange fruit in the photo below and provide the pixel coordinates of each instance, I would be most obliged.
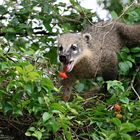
(117, 107)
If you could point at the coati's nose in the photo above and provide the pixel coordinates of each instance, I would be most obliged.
(63, 58)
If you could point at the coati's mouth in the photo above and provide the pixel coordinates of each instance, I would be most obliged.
(69, 66)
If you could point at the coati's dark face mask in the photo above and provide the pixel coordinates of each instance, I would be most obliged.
(69, 55)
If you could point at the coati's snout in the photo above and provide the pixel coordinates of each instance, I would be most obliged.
(63, 59)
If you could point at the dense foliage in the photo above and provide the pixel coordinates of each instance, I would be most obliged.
(30, 104)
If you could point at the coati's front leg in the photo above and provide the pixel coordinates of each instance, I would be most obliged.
(67, 87)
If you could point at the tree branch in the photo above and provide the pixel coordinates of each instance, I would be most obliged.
(132, 83)
(34, 33)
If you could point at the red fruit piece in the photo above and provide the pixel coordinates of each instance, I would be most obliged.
(63, 75)
(117, 107)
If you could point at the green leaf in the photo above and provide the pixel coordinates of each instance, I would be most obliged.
(135, 50)
(127, 127)
(46, 116)
(40, 100)
(116, 85)
(29, 87)
(123, 55)
(80, 87)
(129, 63)
(37, 134)
(57, 106)
(28, 134)
(137, 55)
(11, 30)
(18, 112)
(73, 2)
(112, 136)
(10, 36)
(125, 49)
(124, 67)
(137, 123)
(19, 70)
(47, 26)
(66, 27)
(116, 121)
(33, 75)
(94, 136)
(52, 55)
(2, 92)
(29, 68)
(32, 129)
(2, 10)
(8, 107)
(55, 126)
(131, 59)
(74, 111)
(14, 84)
(46, 82)
(124, 100)
(68, 135)
(114, 15)
(25, 103)
(46, 8)
(125, 137)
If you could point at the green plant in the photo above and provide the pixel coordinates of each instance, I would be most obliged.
(30, 98)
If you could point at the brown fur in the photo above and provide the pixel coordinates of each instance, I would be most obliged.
(100, 53)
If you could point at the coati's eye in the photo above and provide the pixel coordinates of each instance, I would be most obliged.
(61, 48)
(74, 47)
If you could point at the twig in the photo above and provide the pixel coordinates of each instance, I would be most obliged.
(84, 13)
(138, 134)
(64, 136)
(34, 33)
(132, 83)
(107, 24)
(74, 134)
(88, 99)
(10, 123)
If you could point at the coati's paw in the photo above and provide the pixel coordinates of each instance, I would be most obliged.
(66, 97)
(66, 93)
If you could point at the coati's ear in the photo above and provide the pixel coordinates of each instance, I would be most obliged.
(87, 37)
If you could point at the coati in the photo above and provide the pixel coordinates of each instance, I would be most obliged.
(93, 52)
